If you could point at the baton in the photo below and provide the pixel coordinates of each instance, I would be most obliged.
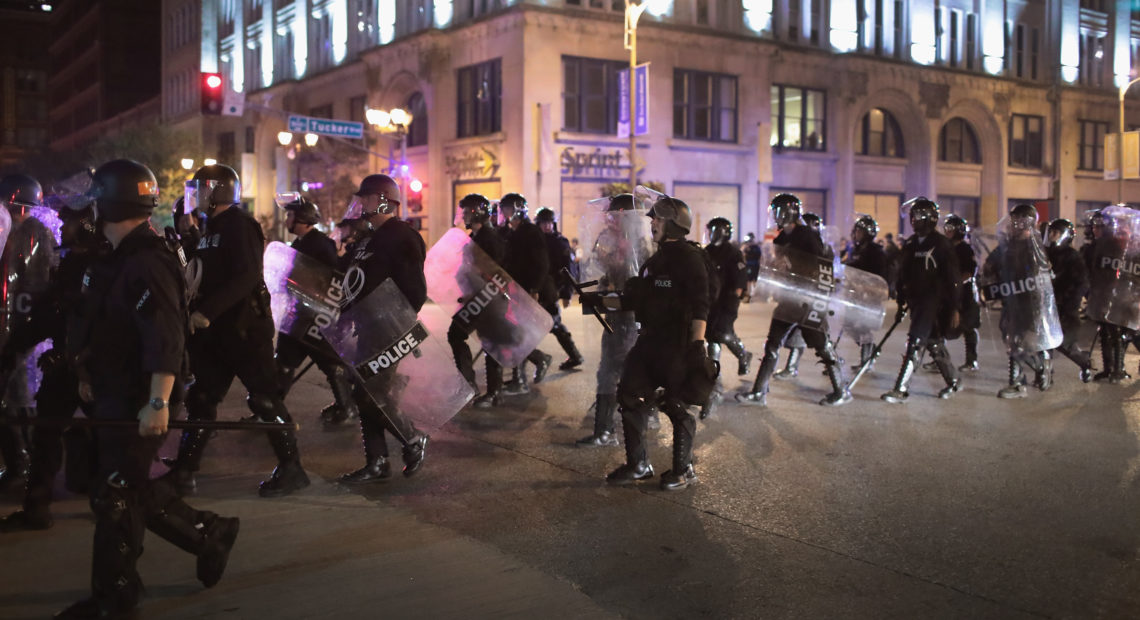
(297, 377)
(578, 286)
(209, 425)
(876, 352)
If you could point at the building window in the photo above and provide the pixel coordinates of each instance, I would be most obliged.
(798, 118)
(362, 24)
(971, 39)
(880, 135)
(480, 95)
(226, 148)
(1026, 43)
(1092, 53)
(1092, 145)
(957, 143)
(1095, 5)
(418, 130)
(253, 10)
(475, 8)
(253, 68)
(320, 42)
(356, 107)
(604, 5)
(283, 56)
(590, 94)
(250, 139)
(795, 22)
(704, 106)
(1025, 141)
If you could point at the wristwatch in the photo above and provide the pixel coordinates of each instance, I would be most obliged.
(157, 404)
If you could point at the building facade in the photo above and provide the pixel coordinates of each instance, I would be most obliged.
(855, 105)
(23, 81)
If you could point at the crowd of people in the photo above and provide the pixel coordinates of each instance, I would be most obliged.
(143, 325)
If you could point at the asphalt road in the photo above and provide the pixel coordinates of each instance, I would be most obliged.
(973, 507)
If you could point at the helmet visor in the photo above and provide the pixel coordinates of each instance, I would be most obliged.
(285, 199)
(197, 193)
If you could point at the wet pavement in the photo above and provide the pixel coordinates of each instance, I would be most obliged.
(973, 507)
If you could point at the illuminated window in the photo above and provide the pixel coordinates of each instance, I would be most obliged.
(1026, 145)
(1092, 52)
(704, 106)
(1092, 145)
(958, 143)
(590, 94)
(480, 99)
(798, 118)
(879, 134)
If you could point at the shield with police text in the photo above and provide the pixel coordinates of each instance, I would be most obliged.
(814, 293)
(401, 364)
(1018, 274)
(615, 244)
(478, 293)
(305, 293)
(1114, 292)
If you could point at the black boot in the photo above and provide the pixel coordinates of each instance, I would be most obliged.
(288, 476)
(603, 436)
(376, 470)
(541, 363)
(414, 454)
(344, 410)
(1016, 386)
(759, 393)
(491, 397)
(900, 393)
(636, 465)
(682, 474)
(793, 367)
(743, 357)
(970, 336)
(566, 341)
(865, 353)
(832, 367)
(1120, 375)
(183, 468)
(200, 533)
(518, 383)
(1107, 353)
(1043, 371)
(941, 359)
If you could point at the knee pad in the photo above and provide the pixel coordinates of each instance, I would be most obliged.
(456, 334)
(262, 405)
(629, 402)
(109, 501)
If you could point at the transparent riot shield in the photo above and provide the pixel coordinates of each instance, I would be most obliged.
(1018, 274)
(399, 361)
(615, 244)
(305, 294)
(811, 292)
(29, 259)
(476, 291)
(1114, 294)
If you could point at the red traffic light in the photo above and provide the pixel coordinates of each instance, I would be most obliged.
(212, 94)
(213, 80)
(416, 185)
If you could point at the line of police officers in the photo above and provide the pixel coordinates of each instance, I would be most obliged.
(134, 317)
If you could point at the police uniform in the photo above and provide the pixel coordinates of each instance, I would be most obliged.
(733, 277)
(1101, 253)
(866, 256)
(528, 263)
(969, 304)
(493, 245)
(1010, 262)
(394, 251)
(1070, 285)
(238, 343)
(558, 257)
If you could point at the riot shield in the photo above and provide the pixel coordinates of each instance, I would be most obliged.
(615, 244)
(382, 332)
(811, 292)
(1018, 273)
(1114, 294)
(29, 258)
(476, 291)
(305, 293)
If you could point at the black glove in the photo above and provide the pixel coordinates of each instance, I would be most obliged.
(700, 374)
(901, 313)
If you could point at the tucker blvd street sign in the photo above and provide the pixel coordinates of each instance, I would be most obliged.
(325, 127)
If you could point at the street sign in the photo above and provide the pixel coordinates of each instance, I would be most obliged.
(641, 118)
(325, 127)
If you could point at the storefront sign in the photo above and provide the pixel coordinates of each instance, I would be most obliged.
(474, 163)
(595, 164)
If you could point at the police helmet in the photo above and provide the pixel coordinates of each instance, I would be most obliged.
(475, 208)
(923, 215)
(123, 189)
(720, 230)
(813, 221)
(677, 215)
(213, 185)
(621, 202)
(1023, 217)
(545, 214)
(380, 185)
(1065, 230)
(956, 227)
(304, 211)
(516, 204)
(785, 209)
(1090, 220)
(20, 192)
(868, 225)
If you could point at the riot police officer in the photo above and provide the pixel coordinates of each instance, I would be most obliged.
(393, 251)
(27, 262)
(866, 255)
(928, 287)
(558, 249)
(476, 213)
(732, 279)
(301, 219)
(670, 299)
(81, 244)
(795, 342)
(528, 263)
(806, 245)
(232, 331)
(1101, 252)
(1070, 285)
(957, 229)
(133, 352)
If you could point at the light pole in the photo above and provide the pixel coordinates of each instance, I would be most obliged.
(393, 124)
(632, 14)
(1120, 144)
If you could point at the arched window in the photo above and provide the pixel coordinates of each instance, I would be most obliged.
(958, 143)
(418, 130)
(880, 135)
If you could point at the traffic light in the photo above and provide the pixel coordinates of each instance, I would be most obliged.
(415, 196)
(212, 94)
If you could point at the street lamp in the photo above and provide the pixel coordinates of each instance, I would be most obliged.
(632, 15)
(284, 138)
(1120, 144)
(209, 161)
(311, 139)
(187, 164)
(393, 123)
